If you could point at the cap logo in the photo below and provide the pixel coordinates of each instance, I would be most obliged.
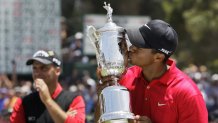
(58, 62)
(165, 51)
(41, 53)
(51, 53)
(147, 26)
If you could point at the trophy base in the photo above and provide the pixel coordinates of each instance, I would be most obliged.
(119, 121)
(116, 116)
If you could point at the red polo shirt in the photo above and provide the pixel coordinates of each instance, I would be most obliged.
(172, 98)
(78, 104)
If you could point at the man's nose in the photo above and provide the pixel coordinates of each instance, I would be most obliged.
(37, 73)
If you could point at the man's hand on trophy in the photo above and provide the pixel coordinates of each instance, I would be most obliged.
(141, 119)
(104, 81)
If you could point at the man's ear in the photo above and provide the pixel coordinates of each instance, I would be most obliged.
(159, 57)
(58, 70)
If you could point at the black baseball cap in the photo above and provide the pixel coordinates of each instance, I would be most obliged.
(45, 57)
(156, 34)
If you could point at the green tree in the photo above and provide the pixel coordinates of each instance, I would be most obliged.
(197, 25)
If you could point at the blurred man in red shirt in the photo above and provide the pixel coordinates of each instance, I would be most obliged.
(50, 103)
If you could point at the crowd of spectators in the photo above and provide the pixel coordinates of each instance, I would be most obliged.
(208, 84)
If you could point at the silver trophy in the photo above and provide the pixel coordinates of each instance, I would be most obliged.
(111, 47)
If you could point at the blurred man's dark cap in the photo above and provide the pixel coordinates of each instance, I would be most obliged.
(156, 34)
(45, 57)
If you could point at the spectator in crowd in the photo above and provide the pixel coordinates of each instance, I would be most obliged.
(73, 79)
(159, 91)
(89, 92)
(76, 47)
(3, 98)
(5, 82)
(212, 101)
(50, 103)
(12, 98)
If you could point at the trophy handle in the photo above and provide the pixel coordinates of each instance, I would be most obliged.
(93, 35)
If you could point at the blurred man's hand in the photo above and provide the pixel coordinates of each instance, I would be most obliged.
(42, 88)
(71, 112)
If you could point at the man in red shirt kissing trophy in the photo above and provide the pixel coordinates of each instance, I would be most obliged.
(159, 91)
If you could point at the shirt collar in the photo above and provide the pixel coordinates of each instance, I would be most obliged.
(57, 91)
(167, 76)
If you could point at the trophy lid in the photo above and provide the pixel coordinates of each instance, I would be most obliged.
(110, 25)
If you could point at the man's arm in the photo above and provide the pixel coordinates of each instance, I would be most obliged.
(57, 114)
(76, 112)
(97, 112)
(100, 86)
(55, 111)
(195, 110)
(17, 115)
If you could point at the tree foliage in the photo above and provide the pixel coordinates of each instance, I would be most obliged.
(197, 22)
